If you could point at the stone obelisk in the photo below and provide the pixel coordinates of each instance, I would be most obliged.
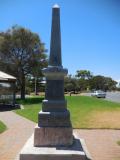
(54, 119)
(53, 137)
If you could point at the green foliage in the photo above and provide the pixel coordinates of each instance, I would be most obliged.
(103, 83)
(32, 107)
(70, 84)
(81, 109)
(84, 74)
(118, 142)
(2, 127)
(84, 80)
(34, 84)
(22, 53)
(83, 84)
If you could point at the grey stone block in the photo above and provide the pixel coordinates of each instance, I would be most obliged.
(77, 151)
(55, 46)
(53, 136)
(54, 105)
(54, 119)
(55, 72)
(54, 90)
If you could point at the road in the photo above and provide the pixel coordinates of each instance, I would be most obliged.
(111, 96)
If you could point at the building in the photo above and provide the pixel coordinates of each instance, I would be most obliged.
(7, 88)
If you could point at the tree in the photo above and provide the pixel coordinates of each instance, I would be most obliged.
(83, 84)
(110, 84)
(84, 77)
(23, 53)
(102, 83)
(84, 74)
(71, 84)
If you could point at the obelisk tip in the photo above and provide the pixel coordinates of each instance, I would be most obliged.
(56, 6)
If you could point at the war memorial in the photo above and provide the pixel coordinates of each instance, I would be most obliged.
(53, 137)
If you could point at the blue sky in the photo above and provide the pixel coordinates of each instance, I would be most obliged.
(90, 30)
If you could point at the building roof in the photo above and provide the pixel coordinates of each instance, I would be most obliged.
(6, 77)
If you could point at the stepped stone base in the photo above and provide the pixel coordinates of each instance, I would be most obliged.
(53, 136)
(77, 151)
(54, 119)
(54, 105)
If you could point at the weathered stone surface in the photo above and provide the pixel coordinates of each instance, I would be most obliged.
(56, 136)
(54, 119)
(55, 72)
(55, 47)
(54, 105)
(77, 151)
(54, 90)
(54, 112)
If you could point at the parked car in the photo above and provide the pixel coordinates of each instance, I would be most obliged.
(99, 94)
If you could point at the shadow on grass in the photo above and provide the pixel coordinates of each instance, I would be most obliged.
(31, 100)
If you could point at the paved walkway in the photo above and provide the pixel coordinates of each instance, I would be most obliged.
(13, 139)
(100, 143)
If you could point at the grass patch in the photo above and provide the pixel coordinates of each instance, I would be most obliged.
(118, 142)
(2, 127)
(31, 108)
(86, 112)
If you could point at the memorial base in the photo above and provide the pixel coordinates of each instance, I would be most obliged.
(53, 136)
(77, 151)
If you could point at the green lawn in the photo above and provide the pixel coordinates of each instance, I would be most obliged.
(118, 142)
(2, 127)
(86, 112)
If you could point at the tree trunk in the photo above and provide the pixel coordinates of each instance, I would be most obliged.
(23, 87)
(35, 86)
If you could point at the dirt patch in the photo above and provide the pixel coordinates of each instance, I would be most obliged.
(106, 119)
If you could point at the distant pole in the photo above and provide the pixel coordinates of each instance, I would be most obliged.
(35, 86)
(14, 95)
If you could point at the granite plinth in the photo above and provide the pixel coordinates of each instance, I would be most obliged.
(54, 105)
(54, 90)
(56, 136)
(54, 119)
(77, 151)
(55, 72)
